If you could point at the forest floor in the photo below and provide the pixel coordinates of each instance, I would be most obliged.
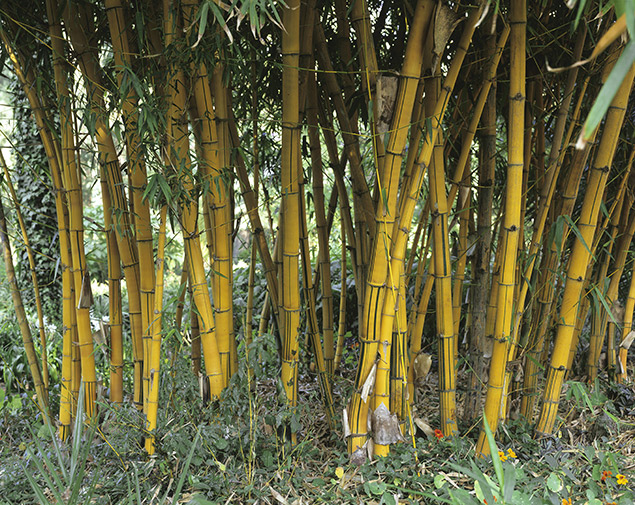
(235, 451)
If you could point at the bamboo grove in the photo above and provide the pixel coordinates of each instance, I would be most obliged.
(435, 153)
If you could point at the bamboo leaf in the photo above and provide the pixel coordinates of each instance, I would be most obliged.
(496, 460)
(38, 490)
(577, 233)
(578, 15)
(558, 233)
(609, 90)
(602, 299)
(53, 484)
(202, 23)
(483, 485)
(140, 24)
(510, 483)
(384, 199)
(221, 20)
(181, 482)
(254, 20)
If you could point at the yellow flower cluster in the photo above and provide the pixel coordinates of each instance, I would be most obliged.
(621, 479)
(510, 455)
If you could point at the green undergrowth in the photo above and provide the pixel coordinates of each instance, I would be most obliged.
(236, 451)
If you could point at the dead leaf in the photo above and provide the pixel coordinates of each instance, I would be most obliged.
(345, 425)
(369, 383)
(358, 457)
(279, 498)
(423, 426)
(628, 340)
(422, 364)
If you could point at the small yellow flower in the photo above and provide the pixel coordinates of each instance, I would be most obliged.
(511, 454)
(502, 456)
(566, 501)
(621, 479)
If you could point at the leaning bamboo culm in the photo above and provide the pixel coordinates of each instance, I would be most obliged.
(580, 256)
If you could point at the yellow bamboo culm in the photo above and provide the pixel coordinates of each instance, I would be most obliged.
(548, 267)
(54, 156)
(580, 256)
(546, 196)
(443, 289)
(289, 280)
(155, 328)
(221, 220)
(511, 221)
(115, 322)
(439, 210)
(627, 333)
(179, 160)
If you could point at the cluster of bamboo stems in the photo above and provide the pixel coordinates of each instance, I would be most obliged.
(527, 273)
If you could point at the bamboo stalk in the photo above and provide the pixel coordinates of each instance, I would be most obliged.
(289, 280)
(536, 343)
(156, 326)
(511, 224)
(221, 214)
(324, 258)
(341, 322)
(25, 330)
(140, 216)
(483, 248)
(70, 376)
(115, 323)
(179, 160)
